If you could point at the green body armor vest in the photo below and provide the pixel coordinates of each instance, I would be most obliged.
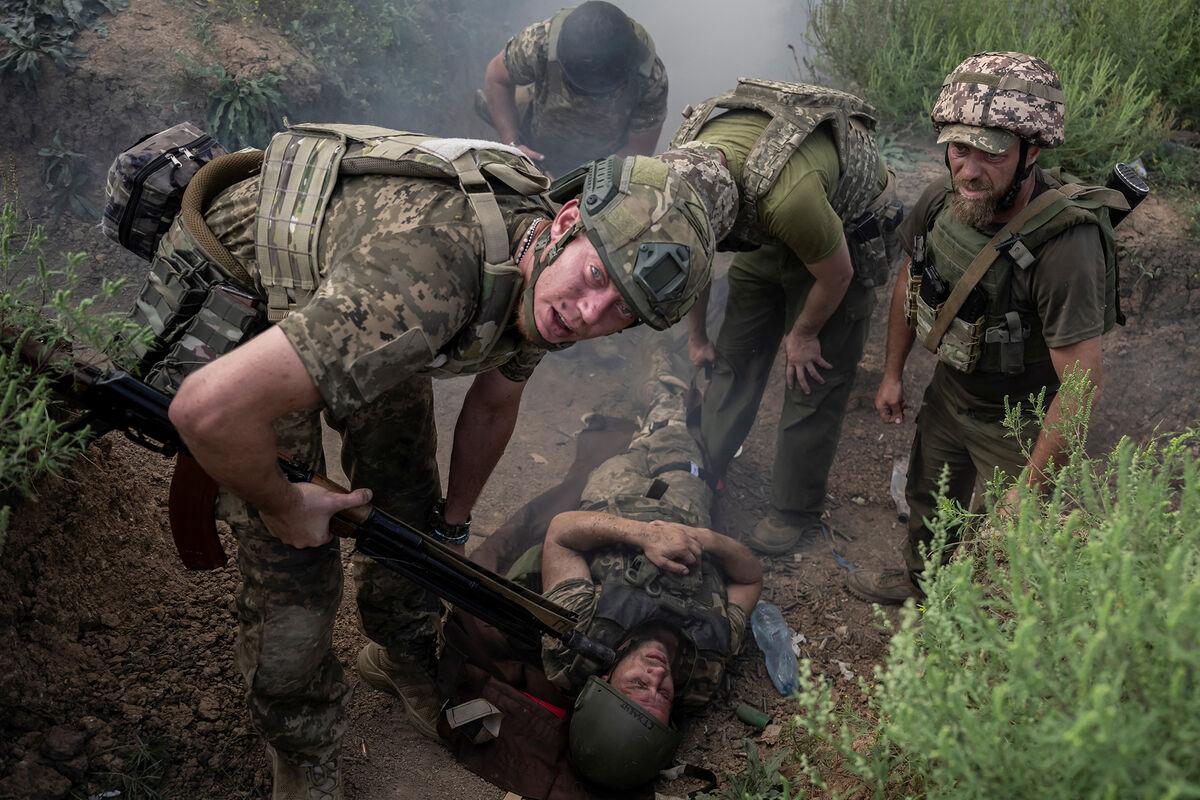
(300, 170)
(796, 109)
(561, 122)
(1001, 331)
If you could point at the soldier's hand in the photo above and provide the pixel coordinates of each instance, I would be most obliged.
(672, 546)
(701, 352)
(305, 522)
(529, 151)
(889, 400)
(803, 358)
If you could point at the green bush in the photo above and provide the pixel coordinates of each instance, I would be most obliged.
(66, 175)
(1127, 69)
(37, 29)
(42, 304)
(240, 112)
(1058, 656)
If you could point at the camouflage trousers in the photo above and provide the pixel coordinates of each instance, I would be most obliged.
(767, 290)
(662, 450)
(965, 434)
(297, 691)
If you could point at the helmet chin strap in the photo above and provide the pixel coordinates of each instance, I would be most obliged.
(1023, 170)
(552, 252)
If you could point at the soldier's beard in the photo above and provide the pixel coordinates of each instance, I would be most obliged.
(975, 212)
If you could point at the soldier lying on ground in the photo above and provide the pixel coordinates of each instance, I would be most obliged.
(648, 578)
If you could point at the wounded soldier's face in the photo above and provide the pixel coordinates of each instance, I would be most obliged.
(644, 676)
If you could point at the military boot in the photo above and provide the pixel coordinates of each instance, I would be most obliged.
(408, 681)
(777, 535)
(886, 586)
(301, 778)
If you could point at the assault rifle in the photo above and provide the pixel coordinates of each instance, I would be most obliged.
(115, 400)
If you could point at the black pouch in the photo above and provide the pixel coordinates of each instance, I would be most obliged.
(146, 183)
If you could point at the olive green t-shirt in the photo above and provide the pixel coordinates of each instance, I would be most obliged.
(796, 210)
(400, 266)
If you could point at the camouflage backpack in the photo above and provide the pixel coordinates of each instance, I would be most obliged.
(146, 183)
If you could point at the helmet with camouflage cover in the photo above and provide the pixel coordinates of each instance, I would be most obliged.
(615, 742)
(991, 100)
(649, 227)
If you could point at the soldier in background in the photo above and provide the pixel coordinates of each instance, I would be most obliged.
(580, 85)
(1034, 265)
(815, 221)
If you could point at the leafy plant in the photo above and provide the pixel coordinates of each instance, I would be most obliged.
(42, 304)
(760, 780)
(1058, 655)
(67, 176)
(241, 112)
(35, 29)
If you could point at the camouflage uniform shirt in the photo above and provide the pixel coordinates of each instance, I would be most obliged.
(594, 128)
(400, 277)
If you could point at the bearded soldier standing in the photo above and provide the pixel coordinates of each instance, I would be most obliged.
(1011, 282)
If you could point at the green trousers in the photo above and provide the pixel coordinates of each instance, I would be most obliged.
(767, 290)
(966, 435)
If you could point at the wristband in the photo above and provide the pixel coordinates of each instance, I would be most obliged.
(445, 532)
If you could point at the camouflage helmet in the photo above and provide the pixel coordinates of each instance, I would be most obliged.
(616, 743)
(703, 167)
(650, 228)
(991, 100)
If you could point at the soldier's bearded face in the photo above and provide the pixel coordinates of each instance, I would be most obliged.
(644, 676)
(980, 180)
(574, 299)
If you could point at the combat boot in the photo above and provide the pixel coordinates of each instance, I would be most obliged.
(886, 586)
(296, 780)
(776, 535)
(406, 680)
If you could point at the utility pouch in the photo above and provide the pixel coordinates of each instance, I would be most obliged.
(146, 183)
(872, 239)
(915, 278)
(1011, 336)
(227, 318)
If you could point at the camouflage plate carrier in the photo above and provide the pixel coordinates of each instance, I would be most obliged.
(796, 110)
(299, 172)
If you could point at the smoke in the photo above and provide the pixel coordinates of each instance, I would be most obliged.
(707, 45)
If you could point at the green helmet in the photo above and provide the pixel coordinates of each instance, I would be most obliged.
(616, 743)
(650, 228)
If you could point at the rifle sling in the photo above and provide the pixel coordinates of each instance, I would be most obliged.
(213, 178)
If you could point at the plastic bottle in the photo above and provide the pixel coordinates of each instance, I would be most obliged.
(899, 479)
(775, 640)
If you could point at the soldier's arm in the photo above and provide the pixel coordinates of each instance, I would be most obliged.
(803, 349)
(743, 569)
(1051, 443)
(571, 534)
(484, 426)
(889, 398)
(700, 347)
(225, 412)
(500, 90)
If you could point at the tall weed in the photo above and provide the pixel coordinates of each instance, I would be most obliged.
(42, 304)
(1058, 655)
(1126, 76)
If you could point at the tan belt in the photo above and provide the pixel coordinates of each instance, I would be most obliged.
(213, 178)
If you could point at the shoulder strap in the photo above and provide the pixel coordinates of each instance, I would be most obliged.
(1006, 239)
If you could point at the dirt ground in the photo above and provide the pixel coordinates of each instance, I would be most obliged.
(111, 649)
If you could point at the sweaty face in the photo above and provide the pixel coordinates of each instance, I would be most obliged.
(574, 299)
(980, 180)
(644, 676)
